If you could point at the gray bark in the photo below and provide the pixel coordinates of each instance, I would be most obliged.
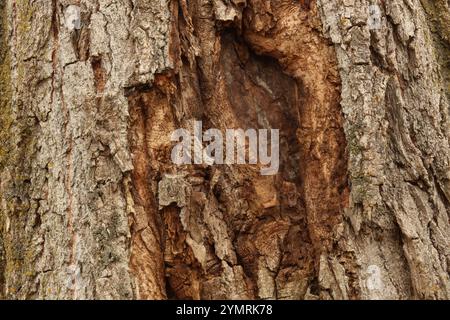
(92, 207)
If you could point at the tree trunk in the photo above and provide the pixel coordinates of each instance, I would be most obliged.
(93, 207)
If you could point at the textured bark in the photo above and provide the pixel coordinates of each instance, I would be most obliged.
(92, 206)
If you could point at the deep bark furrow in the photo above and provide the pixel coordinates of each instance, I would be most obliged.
(91, 205)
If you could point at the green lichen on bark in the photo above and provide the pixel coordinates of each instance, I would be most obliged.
(6, 117)
(5, 122)
(25, 14)
(17, 149)
(438, 14)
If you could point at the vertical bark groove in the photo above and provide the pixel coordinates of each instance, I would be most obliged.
(216, 237)
(91, 205)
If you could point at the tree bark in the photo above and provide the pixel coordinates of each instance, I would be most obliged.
(92, 207)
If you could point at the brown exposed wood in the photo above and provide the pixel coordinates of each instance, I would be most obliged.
(92, 206)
